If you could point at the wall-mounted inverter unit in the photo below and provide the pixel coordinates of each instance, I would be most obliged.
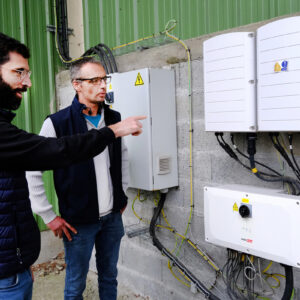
(153, 154)
(278, 73)
(258, 221)
(229, 82)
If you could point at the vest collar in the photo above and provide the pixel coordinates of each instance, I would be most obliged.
(79, 107)
(6, 114)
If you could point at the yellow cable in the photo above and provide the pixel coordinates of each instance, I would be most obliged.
(190, 125)
(154, 35)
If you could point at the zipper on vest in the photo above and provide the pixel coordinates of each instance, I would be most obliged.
(19, 256)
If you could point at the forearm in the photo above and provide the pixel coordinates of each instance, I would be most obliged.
(38, 198)
(20, 150)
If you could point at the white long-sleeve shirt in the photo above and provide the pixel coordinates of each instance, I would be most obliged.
(39, 202)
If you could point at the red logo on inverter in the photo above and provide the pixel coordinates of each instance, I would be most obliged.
(247, 240)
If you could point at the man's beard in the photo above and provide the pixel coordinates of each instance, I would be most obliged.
(8, 96)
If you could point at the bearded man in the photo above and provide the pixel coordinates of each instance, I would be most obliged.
(21, 151)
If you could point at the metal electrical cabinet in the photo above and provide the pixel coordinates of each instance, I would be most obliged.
(278, 73)
(229, 82)
(153, 154)
(258, 221)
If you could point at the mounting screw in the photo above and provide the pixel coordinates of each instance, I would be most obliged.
(297, 202)
(298, 264)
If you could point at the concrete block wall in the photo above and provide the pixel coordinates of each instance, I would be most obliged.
(141, 265)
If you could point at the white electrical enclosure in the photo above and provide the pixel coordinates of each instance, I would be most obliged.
(278, 72)
(229, 82)
(271, 230)
(153, 154)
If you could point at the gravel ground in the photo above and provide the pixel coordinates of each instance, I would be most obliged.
(49, 281)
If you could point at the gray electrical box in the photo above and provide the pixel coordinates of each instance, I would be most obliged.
(153, 154)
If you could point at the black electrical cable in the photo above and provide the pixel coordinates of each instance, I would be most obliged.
(106, 56)
(251, 138)
(283, 153)
(106, 59)
(208, 294)
(112, 58)
(290, 136)
(289, 283)
(257, 162)
(62, 29)
(101, 58)
(233, 155)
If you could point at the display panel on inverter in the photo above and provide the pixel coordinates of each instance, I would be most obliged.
(278, 74)
(229, 82)
(153, 154)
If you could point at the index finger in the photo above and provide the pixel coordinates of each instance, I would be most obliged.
(71, 227)
(140, 117)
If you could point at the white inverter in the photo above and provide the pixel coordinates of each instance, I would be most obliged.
(257, 221)
(278, 74)
(230, 82)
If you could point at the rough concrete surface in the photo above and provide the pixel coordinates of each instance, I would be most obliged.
(49, 282)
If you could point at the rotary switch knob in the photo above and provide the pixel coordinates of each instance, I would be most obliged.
(244, 211)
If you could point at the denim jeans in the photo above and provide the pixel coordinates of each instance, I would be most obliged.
(16, 287)
(106, 235)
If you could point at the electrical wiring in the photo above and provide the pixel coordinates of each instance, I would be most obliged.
(251, 139)
(276, 143)
(244, 155)
(245, 280)
(154, 35)
(290, 138)
(198, 284)
(65, 60)
(233, 155)
(105, 55)
(172, 230)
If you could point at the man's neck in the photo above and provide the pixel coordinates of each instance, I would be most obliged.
(92, 108)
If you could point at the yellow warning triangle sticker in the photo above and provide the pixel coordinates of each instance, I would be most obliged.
(277, 67)
(235, 207)
(139, 80)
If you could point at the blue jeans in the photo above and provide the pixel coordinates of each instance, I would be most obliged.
(16, 287)
(106, 235)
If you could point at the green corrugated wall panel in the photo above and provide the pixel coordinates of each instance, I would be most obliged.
(116, 22)
(26, 20)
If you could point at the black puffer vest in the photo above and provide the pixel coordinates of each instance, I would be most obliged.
(19, 234)
(76, 185)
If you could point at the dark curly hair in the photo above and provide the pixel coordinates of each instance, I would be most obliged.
(9, 44)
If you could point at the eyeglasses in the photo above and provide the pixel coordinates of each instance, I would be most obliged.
(96, 80)
(21, 74)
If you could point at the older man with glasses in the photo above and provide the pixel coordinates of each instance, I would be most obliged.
(91, 194)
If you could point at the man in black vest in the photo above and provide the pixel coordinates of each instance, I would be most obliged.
(91, 194)
(21, 151)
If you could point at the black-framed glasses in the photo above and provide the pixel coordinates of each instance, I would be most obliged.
(96, 80)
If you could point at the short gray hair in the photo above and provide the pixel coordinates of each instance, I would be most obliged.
(78, 64)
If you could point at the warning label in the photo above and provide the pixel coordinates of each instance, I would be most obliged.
(139, 80)
(235, 207)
